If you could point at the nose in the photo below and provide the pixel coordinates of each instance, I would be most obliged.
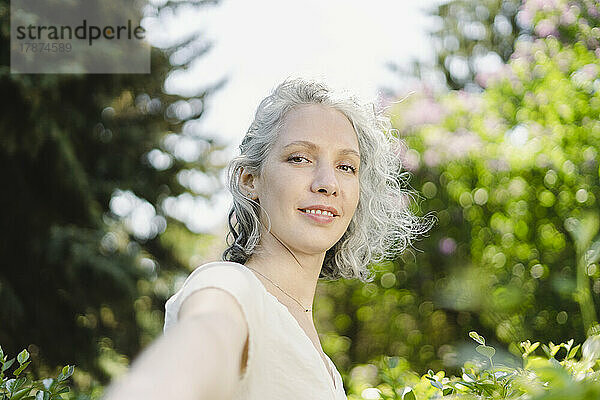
(325, 181)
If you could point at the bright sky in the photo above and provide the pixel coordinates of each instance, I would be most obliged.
(257, 44)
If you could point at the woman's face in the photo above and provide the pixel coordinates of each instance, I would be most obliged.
(309, 182)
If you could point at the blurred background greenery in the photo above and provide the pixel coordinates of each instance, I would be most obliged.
(508, 161)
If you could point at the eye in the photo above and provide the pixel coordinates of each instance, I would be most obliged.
(348, 168)
(297, 159)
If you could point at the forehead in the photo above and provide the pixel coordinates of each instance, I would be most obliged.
(322, 125)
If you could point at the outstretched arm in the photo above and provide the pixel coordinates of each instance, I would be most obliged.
(199, 358)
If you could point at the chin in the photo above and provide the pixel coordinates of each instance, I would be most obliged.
(315, 246)
(311, 241)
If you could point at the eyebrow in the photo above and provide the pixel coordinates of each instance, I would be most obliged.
(312, 146)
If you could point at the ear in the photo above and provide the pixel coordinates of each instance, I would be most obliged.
(248, 184)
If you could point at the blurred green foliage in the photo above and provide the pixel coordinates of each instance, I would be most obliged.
(512, 174)
(469, 33)
(22, 387)
(539, 377)
(81, 158)
(471, 37)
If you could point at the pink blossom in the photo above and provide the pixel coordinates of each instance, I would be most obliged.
(483, 78)
(525, 18)
(536, 5)
(546, 28)
(431, 158)
(443, 146)
(499, 165)
(568, 17)
(411, 160)
(447, 245)
(461, 143)
(422, 112)
(590, 71)
(549, 4)
(470, 101)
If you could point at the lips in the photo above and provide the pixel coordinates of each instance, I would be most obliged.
(320, 209)
(318, 212)
(321, 219)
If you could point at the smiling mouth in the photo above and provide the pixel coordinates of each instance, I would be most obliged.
(318, 212)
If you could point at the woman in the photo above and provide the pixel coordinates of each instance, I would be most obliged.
(316, 193)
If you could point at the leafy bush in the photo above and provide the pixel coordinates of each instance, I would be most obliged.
(513, 175)
(24, 388)
(542, 377)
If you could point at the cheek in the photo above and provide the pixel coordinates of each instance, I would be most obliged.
(284, 186)
(279, 189)
(355, 196)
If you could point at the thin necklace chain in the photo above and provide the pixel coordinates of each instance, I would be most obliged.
(306, 309)
(284, 292)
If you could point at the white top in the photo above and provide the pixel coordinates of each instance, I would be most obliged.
(282, 361)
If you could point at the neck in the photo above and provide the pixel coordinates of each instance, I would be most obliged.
(295, 274)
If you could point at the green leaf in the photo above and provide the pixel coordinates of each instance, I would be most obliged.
(21, 393)
(534, 346)
(437, 384)
(568, 345)
(447, 391)
(21, 368)
(591, 348)
(42, 395)
(554, 348)
(11, 384)
(63, 390)
(475, 336)
(573, 352)
(528, 348)
(462, 385)
(47, 383)
(408, 394)
(387, 379)
(546, 350)
(489, 388)
(8, 364)
(1, 353)
(501, 374)
(486, 351)
(66, 372)
(23, 356)
(20, 382)
(592, 254)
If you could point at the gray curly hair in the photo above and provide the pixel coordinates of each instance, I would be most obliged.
(382, 225)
